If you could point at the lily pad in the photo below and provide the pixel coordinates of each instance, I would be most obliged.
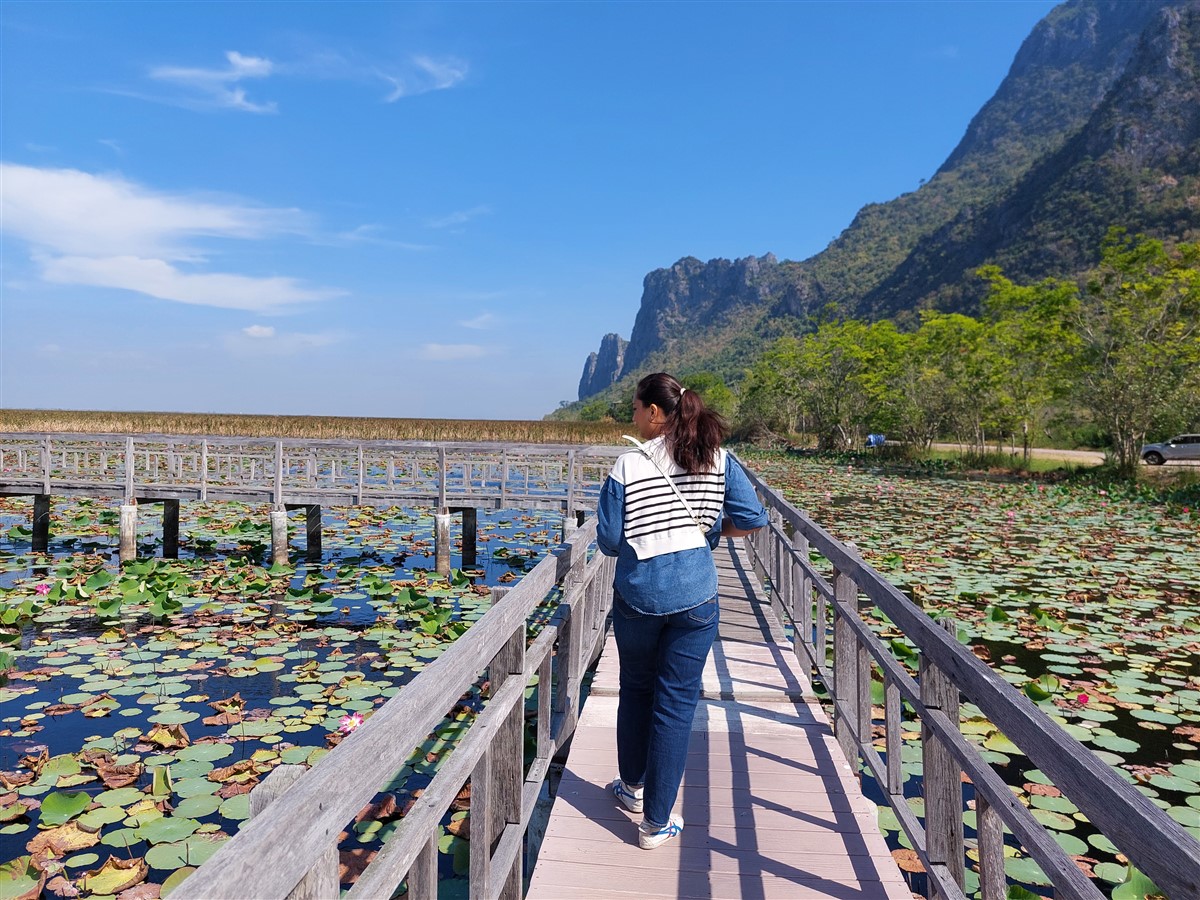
(62, 806)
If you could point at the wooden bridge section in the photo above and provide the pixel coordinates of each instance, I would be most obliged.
(771, 806)
(292, 474)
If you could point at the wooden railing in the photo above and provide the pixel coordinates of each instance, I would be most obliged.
(300, 472)
(820, 608)
(291, 840)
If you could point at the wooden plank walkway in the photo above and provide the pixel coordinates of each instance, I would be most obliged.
(772, 808)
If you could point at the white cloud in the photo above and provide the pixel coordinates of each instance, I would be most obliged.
(159, 278)
(369, 234)
(424, 74)
(73, 212)
(112, 145)
(243, 343)
(451, 352)
(481, 321)
(461, 217)
(105, 231)
(218, 87)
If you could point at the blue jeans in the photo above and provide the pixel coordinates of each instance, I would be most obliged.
(662, 659)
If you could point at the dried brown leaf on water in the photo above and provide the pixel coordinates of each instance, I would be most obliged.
(351, 863)
(908, 860)
(60, 888)
(148, 891)
(115, 876)
(381, 811)
(35, 763)
(169, 737)
(63, 840)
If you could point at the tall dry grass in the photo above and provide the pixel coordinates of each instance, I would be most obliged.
(317, 427)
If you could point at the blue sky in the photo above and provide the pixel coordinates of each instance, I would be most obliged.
(430, 210)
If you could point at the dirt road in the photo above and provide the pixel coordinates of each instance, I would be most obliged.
(1082, 457)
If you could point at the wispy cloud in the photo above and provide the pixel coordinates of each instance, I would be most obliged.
(259, 339)
(225, 87)
(158, 278)
(73, 212)
(113, 145)
(372, 234)
(219, 88)
(480, 322)
(460, 217)
(451, 352)
(422, 75)
(106, 231)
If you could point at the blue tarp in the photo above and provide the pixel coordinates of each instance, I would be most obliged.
(875, 440)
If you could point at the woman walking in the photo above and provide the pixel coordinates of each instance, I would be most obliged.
(661, 512)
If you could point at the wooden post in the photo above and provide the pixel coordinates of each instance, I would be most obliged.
(423, 876)
(129, 464)
(441, 541)
(312, 513)
(775, 555)
(127, 545)
(321, 882)
(470, 535)
(170, 529)
(41, 523)
(568, 526)
(507, 754)
(943, 779)
(844, 666)
(480, 875)
(989, 828)
(802, 599)
(279, 537)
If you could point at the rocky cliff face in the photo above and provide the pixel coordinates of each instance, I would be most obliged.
(677, 303)
(1135, 163)
(1097, 123)
(605, 367)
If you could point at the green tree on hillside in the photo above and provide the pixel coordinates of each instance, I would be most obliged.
(1032, 331)
(713, 390)
(1139, 325)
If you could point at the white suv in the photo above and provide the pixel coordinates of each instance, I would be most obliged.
(1182, 446)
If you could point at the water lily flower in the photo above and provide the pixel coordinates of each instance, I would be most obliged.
(350, 722)
(1083, 699)
(42, 589)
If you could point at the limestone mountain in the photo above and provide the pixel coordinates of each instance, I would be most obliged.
(1096, 124)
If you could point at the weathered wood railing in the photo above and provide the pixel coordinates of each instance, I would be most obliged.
(279, 847)
(818, 607)
(299, 472)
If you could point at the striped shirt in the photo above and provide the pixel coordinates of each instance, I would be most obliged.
(664, 562)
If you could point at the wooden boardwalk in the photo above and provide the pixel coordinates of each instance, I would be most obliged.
(772, 808)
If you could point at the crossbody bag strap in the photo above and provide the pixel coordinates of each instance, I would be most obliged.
(669, 479)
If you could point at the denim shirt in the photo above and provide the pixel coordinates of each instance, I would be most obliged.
(672, 582)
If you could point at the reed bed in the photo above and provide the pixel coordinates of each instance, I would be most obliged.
(316, 427)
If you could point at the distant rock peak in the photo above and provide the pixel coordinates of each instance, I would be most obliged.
(604, 367)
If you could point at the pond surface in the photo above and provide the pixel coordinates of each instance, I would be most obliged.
(1085, 597)
(143, 703)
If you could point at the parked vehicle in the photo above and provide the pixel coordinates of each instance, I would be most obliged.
(1182, 446)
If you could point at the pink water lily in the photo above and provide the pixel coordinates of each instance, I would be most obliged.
(1083, 699)
(42, 589)
(350, 722)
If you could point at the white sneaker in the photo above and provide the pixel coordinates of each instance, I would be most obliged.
(630, 797)
(649, 838)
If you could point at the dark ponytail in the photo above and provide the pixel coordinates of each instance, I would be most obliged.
(693, 431)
